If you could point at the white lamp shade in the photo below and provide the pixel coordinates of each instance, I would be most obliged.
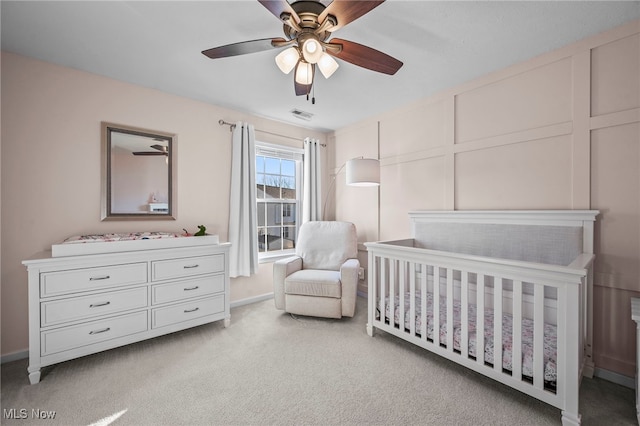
(363, 172)
(304, 73)
(287, 59)
(311, 50)
(327, 65)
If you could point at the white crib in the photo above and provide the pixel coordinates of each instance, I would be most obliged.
(534, 271)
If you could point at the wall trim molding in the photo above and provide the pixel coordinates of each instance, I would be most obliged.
(615, 119)
(250, 300)
(616, 378)
(525, 136)
(15, 356)
(528, 135)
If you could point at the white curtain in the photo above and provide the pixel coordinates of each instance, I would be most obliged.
(243, 230)
(312, 183)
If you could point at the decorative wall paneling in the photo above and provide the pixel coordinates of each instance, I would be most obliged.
(614, 126)
(559, 131)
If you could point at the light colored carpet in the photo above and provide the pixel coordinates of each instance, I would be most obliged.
(269, 368)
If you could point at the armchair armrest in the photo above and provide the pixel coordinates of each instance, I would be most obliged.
(349, 279)
(282, 269)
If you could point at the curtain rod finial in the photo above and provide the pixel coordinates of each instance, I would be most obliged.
(231, 125)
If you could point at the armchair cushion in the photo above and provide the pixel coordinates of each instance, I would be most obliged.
(327, 245)
(314, 282)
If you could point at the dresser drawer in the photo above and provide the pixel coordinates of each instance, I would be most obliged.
(81, 307)
(67, 338)
(186, 267)
(161, 317)
(197, 287)
(79, 280)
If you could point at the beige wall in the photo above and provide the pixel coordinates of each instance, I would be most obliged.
(51, 168)
(561, 131)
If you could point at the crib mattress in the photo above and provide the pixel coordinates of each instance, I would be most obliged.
(550, 334)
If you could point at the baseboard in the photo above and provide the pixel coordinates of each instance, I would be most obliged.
(616, 378)
(250, 300)
(14, 356)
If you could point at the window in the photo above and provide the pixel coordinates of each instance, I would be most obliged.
(279, 195)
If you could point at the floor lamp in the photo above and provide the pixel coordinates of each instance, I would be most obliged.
(360, 172)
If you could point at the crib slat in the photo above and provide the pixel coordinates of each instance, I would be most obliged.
(372, 293)
(383, 289)
(392, 292)
(563, 370)
(436, 305)
(516, 350)
(402, 293)
(423, 301)
(464, 317)
(497, 324)
(412, 298)
(450, 309)
(480, 319)
(538, 336)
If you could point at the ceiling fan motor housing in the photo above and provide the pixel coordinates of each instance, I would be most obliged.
(308, 12)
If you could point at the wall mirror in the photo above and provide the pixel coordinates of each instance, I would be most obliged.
(138, 173)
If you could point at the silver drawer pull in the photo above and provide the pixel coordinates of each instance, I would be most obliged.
(195, 287)
(186, 311)
(104, 330)
(104, 277)
(96, 305)
(190, 266)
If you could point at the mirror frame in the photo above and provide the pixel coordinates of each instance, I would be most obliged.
(107, 214)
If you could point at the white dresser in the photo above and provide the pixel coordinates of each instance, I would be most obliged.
(82, 304)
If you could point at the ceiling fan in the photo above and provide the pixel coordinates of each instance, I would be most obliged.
(308, 27)
(161, 150)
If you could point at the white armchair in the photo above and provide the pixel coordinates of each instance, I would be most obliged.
(321, 280)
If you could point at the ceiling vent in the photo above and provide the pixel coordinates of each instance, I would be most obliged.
(302, 115)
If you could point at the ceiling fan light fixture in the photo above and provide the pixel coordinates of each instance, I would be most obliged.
(327, 65)
(312, 50)
(287, 59)
(304, 73)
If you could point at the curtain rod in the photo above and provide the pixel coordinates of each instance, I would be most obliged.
(232, 126)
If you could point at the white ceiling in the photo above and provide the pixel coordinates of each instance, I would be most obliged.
(157, 44)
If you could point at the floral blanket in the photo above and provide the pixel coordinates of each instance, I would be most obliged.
(550, 333)
(101, 238)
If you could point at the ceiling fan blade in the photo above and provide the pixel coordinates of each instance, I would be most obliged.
(242, 48)
(278, 7)
(347, 11)
(364, 56)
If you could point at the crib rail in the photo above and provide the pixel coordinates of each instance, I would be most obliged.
(481, 289)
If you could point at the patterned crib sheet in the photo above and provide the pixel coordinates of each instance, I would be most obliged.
(550, 333)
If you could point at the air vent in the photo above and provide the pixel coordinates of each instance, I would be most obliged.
(302, 115)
